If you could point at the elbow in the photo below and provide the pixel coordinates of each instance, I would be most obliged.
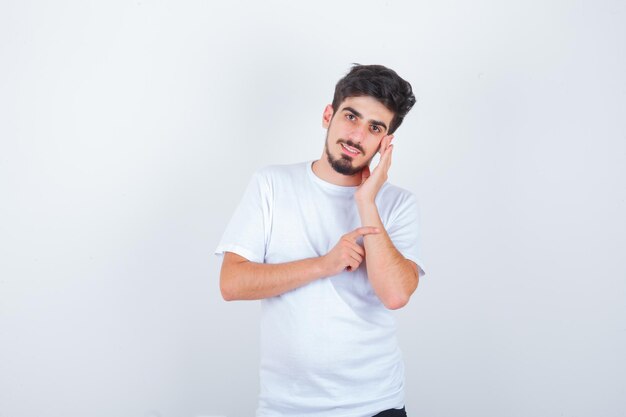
(400, 297)
(226, 289)
(227, 296)
(230, 275)
(396, 302)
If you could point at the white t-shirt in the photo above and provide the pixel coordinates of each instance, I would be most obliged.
(328, 348)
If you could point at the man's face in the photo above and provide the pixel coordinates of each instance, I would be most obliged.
(354, 133)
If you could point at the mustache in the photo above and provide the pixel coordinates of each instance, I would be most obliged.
(352, 144)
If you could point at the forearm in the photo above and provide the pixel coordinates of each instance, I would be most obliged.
(391, 275)
(254, 281)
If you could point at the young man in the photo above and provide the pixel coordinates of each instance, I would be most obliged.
(330, 248)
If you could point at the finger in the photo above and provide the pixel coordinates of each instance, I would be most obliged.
(353, 266)
(386, 142)
(383, 145)
(385, 158)
(362, 231)
(387, 148)
(355, 247)
(350, 244)
(354, 255)
(388, 154)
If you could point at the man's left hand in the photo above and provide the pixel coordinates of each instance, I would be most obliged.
(371, 183)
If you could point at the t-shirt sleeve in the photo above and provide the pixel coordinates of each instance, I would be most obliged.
(404, 231)
(246, 232)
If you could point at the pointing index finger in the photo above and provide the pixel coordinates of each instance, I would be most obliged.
(362, 231)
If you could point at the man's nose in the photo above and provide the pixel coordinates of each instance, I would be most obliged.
(357, 135)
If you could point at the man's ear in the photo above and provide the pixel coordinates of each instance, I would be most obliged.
(327, 116)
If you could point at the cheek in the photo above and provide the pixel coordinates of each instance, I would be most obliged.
(376, 146)
(334, 128)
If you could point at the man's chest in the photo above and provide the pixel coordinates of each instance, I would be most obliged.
(308, 224)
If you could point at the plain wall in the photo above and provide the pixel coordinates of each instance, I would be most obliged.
(128, 133)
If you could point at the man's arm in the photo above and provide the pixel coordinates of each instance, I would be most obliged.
(241, 279)
(393, 277)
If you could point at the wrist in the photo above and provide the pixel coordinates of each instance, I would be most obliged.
(364, 201)
(368, 212)
(366, 206)
(322, 266)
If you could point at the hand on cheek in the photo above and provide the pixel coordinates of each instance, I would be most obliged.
(384, 144)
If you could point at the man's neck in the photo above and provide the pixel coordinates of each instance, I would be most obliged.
(323, 170)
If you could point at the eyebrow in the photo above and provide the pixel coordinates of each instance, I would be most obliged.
(360, 116)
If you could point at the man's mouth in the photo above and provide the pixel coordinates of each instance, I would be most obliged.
(350, 150)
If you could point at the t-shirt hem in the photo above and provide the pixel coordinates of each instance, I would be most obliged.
(396, 401)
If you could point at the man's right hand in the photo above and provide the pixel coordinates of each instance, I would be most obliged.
(347, 254)
(241, 279)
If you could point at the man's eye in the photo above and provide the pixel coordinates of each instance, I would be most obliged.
(350, 116)
(375, 128)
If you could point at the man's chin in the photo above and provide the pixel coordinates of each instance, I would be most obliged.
(344, 164)
(345, 167)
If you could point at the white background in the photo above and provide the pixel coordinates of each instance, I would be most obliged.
(130, 129)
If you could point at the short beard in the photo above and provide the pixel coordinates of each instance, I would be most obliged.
(343, 165)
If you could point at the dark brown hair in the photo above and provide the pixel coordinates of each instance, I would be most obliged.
(378, 82)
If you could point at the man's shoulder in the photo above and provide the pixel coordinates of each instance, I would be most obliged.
(391, 191)
(393, 199)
